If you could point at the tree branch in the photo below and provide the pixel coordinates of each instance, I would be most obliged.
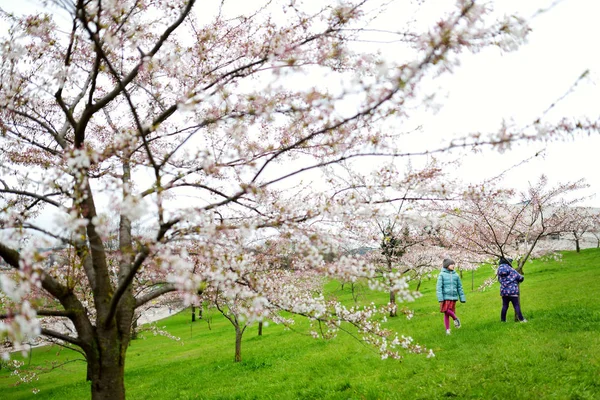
(33, 195)
(9, 255)
(166, 288)
(61, 336)
(55, 313)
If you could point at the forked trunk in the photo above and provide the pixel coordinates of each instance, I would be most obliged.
(106, 368)
(521, 266)
(106, 356)
(108, 382)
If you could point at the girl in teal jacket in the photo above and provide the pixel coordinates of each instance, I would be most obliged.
(449, 289)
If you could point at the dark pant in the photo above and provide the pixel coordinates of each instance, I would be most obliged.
(516, 306)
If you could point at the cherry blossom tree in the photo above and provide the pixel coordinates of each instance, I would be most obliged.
(580, 221)
(490, 222)
(242, 310)
(197, 124)
(595, 231)
(402, 251)
(269, 265)
(390, 222)
(290, 282)
(229, 309)
(424, 260)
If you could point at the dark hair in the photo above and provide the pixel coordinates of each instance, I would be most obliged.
(505, 260)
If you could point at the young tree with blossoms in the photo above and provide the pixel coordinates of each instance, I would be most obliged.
(595, 230)
(492, 222)
(405, 251)
(243, 309)
(391, 222)
(423, 260)
(229, 309)
(268, 264)
(195, 121)
(580, 221)
(270, 279)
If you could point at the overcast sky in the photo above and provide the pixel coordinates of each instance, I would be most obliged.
(519, 86)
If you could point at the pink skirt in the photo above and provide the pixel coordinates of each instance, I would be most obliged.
(448, 305)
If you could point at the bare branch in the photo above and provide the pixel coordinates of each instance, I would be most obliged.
(61, 336)
(161, 290)
(10, 256)
(43, 198)
(55, 313)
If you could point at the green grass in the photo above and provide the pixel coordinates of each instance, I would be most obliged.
(554, 356)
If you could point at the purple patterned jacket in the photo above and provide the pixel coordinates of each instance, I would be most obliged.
(509, 278)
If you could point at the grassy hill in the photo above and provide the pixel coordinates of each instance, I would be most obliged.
(555, 355)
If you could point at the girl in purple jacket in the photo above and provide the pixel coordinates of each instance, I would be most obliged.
(509, 288)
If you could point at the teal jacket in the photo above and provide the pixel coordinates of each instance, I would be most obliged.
(449, 286)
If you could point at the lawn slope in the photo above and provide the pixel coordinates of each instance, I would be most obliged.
(555, 355)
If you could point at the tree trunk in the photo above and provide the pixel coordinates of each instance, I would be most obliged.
(106, 366)
(354, 294)
(260, 326)
(108, 382)
(394, 308)
(193, 314)
(238, 344)
(577, 247)
(520, 266)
